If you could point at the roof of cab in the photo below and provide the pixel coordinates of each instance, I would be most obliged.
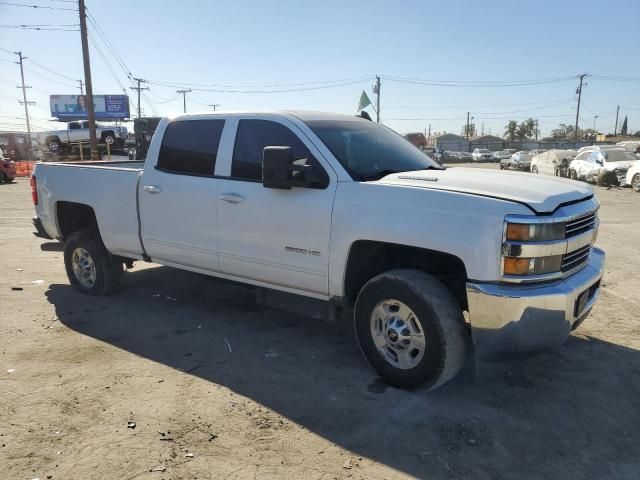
(304, 115)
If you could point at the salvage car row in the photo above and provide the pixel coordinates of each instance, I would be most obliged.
(604, 165)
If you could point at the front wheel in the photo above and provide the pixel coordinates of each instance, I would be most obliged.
(573, 174)
(635, 182)
(410, 328)
(91, 269)
(534, 169)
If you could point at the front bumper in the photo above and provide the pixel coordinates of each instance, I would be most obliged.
(529, 318)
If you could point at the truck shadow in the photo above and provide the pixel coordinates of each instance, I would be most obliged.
(572, 409)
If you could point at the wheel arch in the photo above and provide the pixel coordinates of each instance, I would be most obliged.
(72, 217)
(369, 258)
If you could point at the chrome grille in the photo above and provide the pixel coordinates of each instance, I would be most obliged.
(580, 225)
(575, 259)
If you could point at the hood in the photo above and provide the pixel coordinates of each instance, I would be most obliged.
(542, 193)
(625, 165)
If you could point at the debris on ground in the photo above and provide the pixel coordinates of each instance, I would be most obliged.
(159, 468)
(37, 282)
(472, 441)
(131, 424)
(227, 341)
(171, 299)
(271, 355)
(19, 270)
(188, 455)
(11, 370)
(348, 464)
(17, 289)
(212, 436)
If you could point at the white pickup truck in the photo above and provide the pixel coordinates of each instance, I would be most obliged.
(78, 131)
(341, 209)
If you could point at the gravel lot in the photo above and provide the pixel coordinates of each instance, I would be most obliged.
(221, 388)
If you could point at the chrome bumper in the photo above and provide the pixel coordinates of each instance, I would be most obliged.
(525, 317)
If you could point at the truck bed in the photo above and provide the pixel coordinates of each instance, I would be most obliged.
(109, 188)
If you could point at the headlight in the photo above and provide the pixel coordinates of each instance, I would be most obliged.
(534, 232)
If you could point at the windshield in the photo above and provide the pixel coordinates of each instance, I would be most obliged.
(369, 151)
(619, 156)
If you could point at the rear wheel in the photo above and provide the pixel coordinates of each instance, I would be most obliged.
(573, 174)
(410, 328)
(3, 177)
(534, 169)
(91, 269)
(635, 182)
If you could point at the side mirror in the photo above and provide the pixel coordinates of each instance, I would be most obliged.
(276, 167)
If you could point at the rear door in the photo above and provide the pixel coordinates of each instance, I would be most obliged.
(178, 196)
(275, 236)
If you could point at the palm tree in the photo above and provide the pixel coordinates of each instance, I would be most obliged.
(511, 130)
(532, 127)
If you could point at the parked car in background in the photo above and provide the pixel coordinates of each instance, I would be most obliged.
(7, 169)
(76, 132)
(633, 176)
(417, 138)
(553, 162)
(451, 157)
(537, 151)
(482, 155)
(520, 161)
(590, 165)
(466, 156)
(501, 155)
(633, 145)
(432, 153)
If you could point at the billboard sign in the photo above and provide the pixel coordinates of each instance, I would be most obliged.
(74, 107)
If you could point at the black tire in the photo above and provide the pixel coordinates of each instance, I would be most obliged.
(635, 183)
(3, 177)
(534, 169)
(607, 179)
(108, 268)
(54, 145)
(439, 315)
(573, 175)
(109, 138)
(501, 166)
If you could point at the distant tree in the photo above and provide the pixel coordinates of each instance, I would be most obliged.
(523, 132)
(563, 132)
(532, 127)
(511, 130)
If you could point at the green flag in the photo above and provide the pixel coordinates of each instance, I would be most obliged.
(364, 101)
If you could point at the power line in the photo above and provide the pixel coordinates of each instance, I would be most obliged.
(44, 29)
(49, 79)
(302, 89)
(434, 107)
(321, 82)
(459, 83)
(11, 4)
(51, 71)
(104, 59)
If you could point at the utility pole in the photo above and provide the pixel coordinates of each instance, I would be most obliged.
(579, 92)
(466, 130)
(26, 104)
(184, 98)
(91, 113)
(214, 105)
(429, 131)
(81, 87)
(595, 117)
(376, 90)
(615, 129)
(139, 89)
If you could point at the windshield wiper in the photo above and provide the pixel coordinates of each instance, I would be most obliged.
(377, 175)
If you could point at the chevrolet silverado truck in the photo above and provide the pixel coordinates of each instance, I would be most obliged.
(76, 132)
(339, 208)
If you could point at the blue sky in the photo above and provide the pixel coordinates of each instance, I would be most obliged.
(247, 43)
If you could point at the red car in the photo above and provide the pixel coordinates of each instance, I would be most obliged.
(7, 169)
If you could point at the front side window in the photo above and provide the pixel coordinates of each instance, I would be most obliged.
(74, 126)
(190, 147)
(254, 135)
(368, 151)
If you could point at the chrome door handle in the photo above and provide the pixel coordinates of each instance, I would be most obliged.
(232, 198)
(152, 188)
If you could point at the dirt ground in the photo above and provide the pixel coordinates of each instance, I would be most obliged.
(220, 388)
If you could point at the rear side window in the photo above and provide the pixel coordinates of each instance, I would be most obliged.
(190, 147)
(252, 137)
